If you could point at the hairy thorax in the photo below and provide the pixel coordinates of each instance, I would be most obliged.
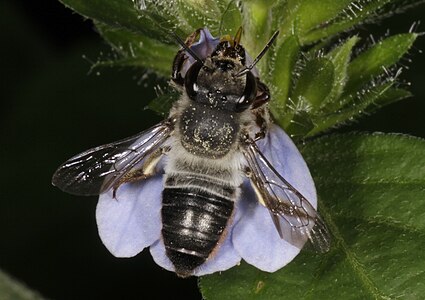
(208, 132)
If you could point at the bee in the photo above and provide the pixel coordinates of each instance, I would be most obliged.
(208, 147)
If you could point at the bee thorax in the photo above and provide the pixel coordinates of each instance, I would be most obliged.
(208, 132)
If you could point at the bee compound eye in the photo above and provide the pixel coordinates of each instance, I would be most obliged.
(191, 78)
(249, 93)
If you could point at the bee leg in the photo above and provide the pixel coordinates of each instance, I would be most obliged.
(147, 170)
(263, 95)
(261, 119)
(261, 113)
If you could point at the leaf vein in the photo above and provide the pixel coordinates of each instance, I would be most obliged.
(389, 222)
(351, 257)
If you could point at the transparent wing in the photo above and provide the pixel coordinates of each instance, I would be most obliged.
(294, 217)
(99, 169)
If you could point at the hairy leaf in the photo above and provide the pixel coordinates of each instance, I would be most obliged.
(340, 58)
(137, 50)
(315, 83)
(281, 75)
(353, 14)
(374, 61)
(153, 19)
(372, 191)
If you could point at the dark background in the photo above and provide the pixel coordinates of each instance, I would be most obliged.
(51, 109)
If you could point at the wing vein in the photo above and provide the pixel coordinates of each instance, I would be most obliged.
(294, 217)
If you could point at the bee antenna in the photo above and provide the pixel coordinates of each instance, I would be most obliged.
(259, 56)
(187, 48)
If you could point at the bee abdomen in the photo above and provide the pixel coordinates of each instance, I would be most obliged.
(194, 220)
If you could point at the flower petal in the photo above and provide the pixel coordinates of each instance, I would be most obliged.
(157, 251)
(225, 258)
(282, 153)
(132, 221)
(255, 236)
(206, 44)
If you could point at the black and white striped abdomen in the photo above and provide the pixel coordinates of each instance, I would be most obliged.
(196, 209)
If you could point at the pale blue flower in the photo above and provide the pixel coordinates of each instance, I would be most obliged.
(132, 221)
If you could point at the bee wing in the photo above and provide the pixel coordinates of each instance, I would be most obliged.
(295, 218)
(97, 170)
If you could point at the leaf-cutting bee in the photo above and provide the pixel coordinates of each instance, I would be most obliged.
(207, 148)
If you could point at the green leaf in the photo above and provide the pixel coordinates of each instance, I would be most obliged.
(222, 15)
(280, 81)
(152, 19)
(11, 289)
(313, 13)
(371, 189)
(300, 124)
(137, 50)
(374, 61)
(140, 31)
(340, 57)
(197, 13)
(355, 106)
(315, 83)
(354, 14)
(299, 17)
(307, 125)
(157, 19)
(390, 96)
(256, 25)
(231, 17)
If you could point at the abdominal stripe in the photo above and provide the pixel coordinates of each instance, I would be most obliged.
(195, 213)
(214, 187)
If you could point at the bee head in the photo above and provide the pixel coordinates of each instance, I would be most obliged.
(216, 80)
(218, 73)
(215, 83)
(228, 51)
